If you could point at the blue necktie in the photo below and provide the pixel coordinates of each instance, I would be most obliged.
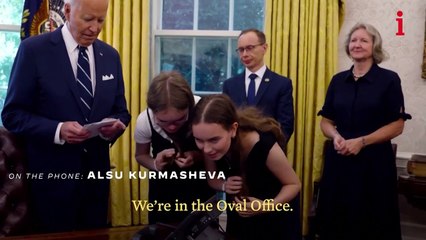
(84, 81)
(251, 93)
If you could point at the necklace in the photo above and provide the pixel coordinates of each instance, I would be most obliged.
(357, 76)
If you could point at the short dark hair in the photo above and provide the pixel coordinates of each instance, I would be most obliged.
(260, 34)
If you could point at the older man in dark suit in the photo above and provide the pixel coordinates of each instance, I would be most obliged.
(259, 86)
(60, 82)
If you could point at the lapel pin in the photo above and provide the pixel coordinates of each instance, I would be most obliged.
(101, 54)
(266, 79)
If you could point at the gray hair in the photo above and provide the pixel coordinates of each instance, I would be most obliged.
(379, 54)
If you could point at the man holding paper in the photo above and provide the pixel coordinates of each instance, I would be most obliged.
(60, 82)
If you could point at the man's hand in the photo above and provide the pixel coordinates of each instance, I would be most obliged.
(110, 131)
(73, 132)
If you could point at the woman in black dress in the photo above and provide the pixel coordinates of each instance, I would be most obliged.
(163, 129)
(246, 147)
(363, 111)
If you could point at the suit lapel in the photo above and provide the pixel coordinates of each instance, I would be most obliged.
(241, 88)
(99, 69)
(264, 84)
(69, 77)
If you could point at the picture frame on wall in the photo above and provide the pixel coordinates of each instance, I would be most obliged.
(424, 57)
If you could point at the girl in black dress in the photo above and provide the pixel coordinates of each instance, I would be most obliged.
(246, 146)
(363, 111)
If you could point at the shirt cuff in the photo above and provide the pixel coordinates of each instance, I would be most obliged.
(58, 139)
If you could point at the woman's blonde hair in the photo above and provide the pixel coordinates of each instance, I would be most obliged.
(379, 54)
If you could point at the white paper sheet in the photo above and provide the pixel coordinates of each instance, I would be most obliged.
(94, 127)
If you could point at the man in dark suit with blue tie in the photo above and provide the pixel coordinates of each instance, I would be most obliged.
(61, 81)
(259, 86)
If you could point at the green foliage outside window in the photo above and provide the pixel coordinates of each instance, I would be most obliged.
(11, 15)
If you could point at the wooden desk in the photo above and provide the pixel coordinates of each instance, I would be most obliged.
(414, 189)
(118, 233)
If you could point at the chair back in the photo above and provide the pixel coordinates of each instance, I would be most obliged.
(13, 191)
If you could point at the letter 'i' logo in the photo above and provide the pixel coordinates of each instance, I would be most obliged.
(400, 22)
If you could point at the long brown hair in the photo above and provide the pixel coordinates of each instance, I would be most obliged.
(220, 109)
(251, 118)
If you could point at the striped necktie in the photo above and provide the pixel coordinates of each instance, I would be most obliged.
(84, 81)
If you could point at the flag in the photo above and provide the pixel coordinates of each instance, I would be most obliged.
(40, 16)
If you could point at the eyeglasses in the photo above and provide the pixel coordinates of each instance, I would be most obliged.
(248, 48)
(176, 122)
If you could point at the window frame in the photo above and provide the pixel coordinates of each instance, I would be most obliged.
(12, 29)
(229, 35)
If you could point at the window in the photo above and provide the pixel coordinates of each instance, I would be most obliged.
(10, 24)
(198, 38)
